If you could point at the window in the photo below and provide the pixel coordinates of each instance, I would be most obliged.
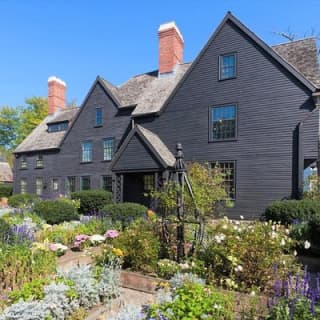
(227, 66)
(85, 183)
(223, 122)
(108, 149)
(23, 186)
(98, 117)
(23, 163)
(39, 186)
(148, 182)
(55, 184)
(71, 184)
(55, 127)
(86, 151)
(106, 183)
(39, 161)
(228, 170)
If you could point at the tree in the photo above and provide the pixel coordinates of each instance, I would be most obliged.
(17, 123)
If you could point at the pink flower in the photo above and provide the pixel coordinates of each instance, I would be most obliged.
(111, 234)
(53, 247)
(81, 237)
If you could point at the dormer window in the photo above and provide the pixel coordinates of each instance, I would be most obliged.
(98, 117)
(227, 66)
(59, 126)
(39, 161)
(23, 163)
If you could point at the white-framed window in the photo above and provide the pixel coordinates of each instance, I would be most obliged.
(23, 163)
(55, 184)
(39, 161)
(39, 186)
(108, 149)
(228, 169)
(223, 122)
(23, 185)
(86, 151)
(227, 66)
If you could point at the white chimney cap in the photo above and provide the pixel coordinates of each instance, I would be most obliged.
(55, 79)
(170, 25)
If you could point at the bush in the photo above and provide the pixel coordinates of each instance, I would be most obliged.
(56, 211)
(6, 233)
(140, 246)
(125, 212)
(287, 211)
(6, 190)
(92, 201)
(26, 200)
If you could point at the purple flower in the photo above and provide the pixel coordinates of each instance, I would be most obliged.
(111, 234)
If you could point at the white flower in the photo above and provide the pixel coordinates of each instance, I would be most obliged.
(97, 238)
(295, 252)
(287, 231)
(238, 268)
(224, 227)
(283, 242)
(307, 244)
(252, 293)
(241, 217)
(219, 237)
(274, 235)
(184, 266)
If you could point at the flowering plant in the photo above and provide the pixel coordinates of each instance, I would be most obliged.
(58, 248)
(111, 234)
(80, 241)
(97, 239)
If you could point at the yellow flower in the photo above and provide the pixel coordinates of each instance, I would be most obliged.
(151, 215)
(117, 252)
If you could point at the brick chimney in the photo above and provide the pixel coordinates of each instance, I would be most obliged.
(56, 95)
(170, 47)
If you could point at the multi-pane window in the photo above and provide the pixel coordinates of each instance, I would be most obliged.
(98, 116)
(106, 183)
(55, 184)
(55, 127)
(85, 183)
(86, 151)
(227, 66)
(39, 161)
(223, 122)
(148, 182)
(39, 186)
(23, 163)
(71, 184)
(227, 168)
(108, 149)
(23, 185)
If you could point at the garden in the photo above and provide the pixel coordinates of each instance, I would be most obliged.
(203, 268)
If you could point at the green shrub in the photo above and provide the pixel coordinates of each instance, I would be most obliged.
(6, 190)
(140, 246)
(92, 201)
(195, 301)
(56, 211)
(125, 212)
(26, 200)
(288, 211)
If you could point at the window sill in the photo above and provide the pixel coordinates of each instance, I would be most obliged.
(234, 77)
(106, 160)
(98, 126)
(85, 162)
(23, 168)
(223, 140)
(36, 168)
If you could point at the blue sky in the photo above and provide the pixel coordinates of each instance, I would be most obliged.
(77, 40)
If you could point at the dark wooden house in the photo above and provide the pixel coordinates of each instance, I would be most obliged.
(247, 107)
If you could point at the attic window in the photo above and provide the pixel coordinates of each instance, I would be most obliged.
(227, 66)
(39, 161)
(98, 117)
(59, 126)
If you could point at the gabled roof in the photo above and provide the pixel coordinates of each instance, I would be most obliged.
(153, 142)
(303, 55)
(5, 172)
(41, 139)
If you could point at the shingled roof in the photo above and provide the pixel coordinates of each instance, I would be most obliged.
(41, 139)
(5, 172)
(302, 55)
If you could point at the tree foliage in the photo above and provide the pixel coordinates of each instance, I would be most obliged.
(17, 122)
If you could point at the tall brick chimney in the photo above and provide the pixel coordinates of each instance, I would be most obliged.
(170, 47)
(56, 94)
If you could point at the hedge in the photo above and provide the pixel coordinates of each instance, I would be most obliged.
(92, 201)
(287, 211)
(26, 200)
(56, 211)
(6, 190)
(125, 212)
